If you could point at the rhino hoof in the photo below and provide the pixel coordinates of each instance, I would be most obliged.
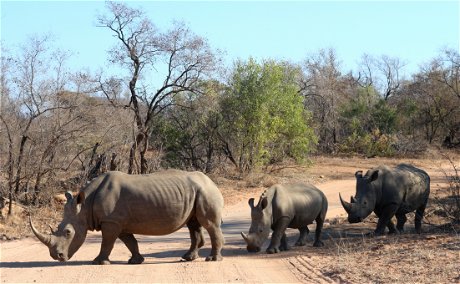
(214, 258)
(190, 256)
(138, 259)
(273, 250)
(300, 244)
(318, 244)
(284, 248)
(101, 262)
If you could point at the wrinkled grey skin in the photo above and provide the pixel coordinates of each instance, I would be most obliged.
(285, 206)
(389, 192)
(121, 205)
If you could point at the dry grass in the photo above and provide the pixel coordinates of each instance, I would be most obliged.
(405, 258)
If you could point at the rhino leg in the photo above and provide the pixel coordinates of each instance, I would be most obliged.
(418, 218)
(197, 239)
(278, 231)
(391, 227)
(385, 216)
(302, 240)
(217, 242)
(209, 216)
(284, 244)
(401, 221)
(130, 241)
(110, 232)
(319, 226)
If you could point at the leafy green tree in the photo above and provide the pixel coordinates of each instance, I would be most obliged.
(263, 118)
(368, 124)
(187, 132)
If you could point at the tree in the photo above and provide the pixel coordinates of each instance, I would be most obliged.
(187, 131)
(30, 90)
(45, 127)
(325, 89)
(449, 63)
(436, 105)
(264, 120)
(383, 73)
(181, 58)
(368, 122)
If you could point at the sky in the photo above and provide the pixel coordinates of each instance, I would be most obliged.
(414, 31)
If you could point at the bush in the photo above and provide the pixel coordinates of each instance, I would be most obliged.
(449, 200)
(369, 144)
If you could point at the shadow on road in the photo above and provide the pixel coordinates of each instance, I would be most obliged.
(28, 264)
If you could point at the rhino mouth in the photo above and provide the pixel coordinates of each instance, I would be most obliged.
(253, 249)
(60, 257)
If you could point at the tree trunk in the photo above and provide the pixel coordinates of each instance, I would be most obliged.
(143, 151)
(113, 162)
(19, 162)
(38, 180)
(132, 157)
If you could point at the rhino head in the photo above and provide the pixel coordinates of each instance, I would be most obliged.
(259, 231)
(71, 231)
(365, 199)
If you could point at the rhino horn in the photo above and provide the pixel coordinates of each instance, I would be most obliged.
(45, 239)
(245, 237)
(346, 205)
(51, 229)
(352, 199)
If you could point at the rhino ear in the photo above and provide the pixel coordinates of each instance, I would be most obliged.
(251, 202)
(359, 174)
(374, 176)
(264, 203)
(81, 198)
(69, 196)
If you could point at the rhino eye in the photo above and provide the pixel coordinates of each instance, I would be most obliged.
(67, 233)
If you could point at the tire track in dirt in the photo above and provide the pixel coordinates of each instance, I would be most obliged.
(306, 271)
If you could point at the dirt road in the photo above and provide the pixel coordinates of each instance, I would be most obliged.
(28, 260)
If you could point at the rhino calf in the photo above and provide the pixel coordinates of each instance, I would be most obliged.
(285, 206)
(389, 192)
(121, 205)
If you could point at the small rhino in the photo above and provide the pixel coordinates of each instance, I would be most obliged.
(285, 206)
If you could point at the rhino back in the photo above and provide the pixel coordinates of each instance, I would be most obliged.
(302, 203)
(406, 185)
(154, 204)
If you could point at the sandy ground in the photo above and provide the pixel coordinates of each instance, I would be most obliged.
(27, 260)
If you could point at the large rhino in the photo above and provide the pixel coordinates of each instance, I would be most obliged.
(285, 206)
(121, 205)
(389, 192)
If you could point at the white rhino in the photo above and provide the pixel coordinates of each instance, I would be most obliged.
(389, 192)
(285, 206)
(121, 205)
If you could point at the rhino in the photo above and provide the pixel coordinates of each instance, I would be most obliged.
(121, 205)
(285, 206)
(389, 192)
